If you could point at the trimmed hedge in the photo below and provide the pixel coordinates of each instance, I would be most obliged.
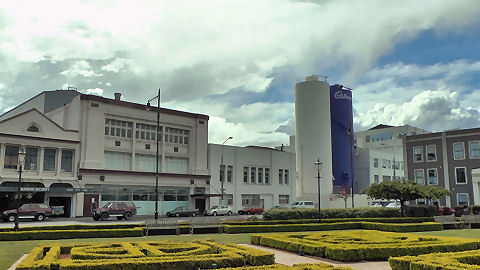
(421, 210)
(145, 255)
(307, 266)
(407, 227)
(334, 220)
(363, 245)
(303, 213)
(75, 227)
(438, 261)
(65, 234)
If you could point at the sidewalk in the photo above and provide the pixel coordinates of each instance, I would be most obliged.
(288, 258)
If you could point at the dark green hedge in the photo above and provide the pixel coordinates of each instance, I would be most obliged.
(66, 234)
(333, 220)
(389, 227)
(302, 213)
(75, 227)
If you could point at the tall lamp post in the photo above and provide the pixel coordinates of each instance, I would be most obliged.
(319, 167)
(21, 160)
(222, 168)
(157, 157)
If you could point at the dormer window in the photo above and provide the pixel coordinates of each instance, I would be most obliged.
(33, 129)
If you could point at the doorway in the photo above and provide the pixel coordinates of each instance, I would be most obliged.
(200, 205)
(90, 202)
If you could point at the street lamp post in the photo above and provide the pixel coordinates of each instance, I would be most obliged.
(222, 168)
(157, 157)
(21, 159)
(319, 167)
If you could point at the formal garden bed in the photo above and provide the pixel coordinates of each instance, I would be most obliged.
(438, 261)
(200, 254)
(357, 245)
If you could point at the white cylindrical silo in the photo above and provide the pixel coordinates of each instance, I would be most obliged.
(313, 139)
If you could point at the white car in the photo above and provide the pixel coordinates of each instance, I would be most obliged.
(219, 210)
(303, 204)
(393, 205)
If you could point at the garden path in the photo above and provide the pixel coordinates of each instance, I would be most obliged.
(289, 258)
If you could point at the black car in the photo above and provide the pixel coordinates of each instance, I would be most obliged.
(183, 211)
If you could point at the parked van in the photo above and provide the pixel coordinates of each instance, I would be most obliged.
(303, 204)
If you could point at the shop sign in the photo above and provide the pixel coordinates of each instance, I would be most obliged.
(34, 189)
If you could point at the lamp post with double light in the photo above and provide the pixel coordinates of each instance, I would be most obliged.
(21, 160)
(222, 168)
(319, 167)
(157, 155)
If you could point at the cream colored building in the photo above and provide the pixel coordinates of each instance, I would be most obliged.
(253, 176)
(116, 149)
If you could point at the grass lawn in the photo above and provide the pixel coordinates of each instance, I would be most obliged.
(466, 233)
(10, 251)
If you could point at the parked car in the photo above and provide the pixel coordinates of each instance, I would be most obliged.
(444, 210)
(219, 210)
(303, 204)
(251, 211)
(393, 205)
(183, 211)
(121, 210)
(35, 211)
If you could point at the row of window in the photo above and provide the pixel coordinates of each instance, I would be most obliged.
(462, 200)
(147, 132)
(432, 176)
(385, 178)
(123, 161)
(164, 194)
(257, 175)
(32, 158)
(388, 164)
(458, 151)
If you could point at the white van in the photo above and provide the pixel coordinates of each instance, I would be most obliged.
(303, 204)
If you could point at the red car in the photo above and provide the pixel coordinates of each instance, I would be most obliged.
(251, 211)
(35, 211)
(121, 210)
(443, 210)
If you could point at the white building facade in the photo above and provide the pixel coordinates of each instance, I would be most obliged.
(114, 150)
(254, 176)
(379, 154)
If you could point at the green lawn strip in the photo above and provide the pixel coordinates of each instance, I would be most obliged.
(466, 233)
(10, 251)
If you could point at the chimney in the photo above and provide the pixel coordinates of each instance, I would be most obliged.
(117, 96)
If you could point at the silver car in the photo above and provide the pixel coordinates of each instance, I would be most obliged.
(219, 210)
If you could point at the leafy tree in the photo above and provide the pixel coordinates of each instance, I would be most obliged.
(404, 191)
(433, 192)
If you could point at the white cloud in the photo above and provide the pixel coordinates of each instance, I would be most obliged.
(117, 65)
(93, 91)
(80, 68)
(242, 41)
(433, 110)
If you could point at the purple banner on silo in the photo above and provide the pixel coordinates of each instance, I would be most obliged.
(342, 135)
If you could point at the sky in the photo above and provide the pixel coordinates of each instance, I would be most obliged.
(409, 62)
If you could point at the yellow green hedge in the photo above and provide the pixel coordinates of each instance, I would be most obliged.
(65, 234)
(309, 266)
(439, 261)
(389, 227)
(145, 255)
(357, 245)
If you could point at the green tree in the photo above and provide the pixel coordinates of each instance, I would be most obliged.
(404, 191)
(433, 192)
